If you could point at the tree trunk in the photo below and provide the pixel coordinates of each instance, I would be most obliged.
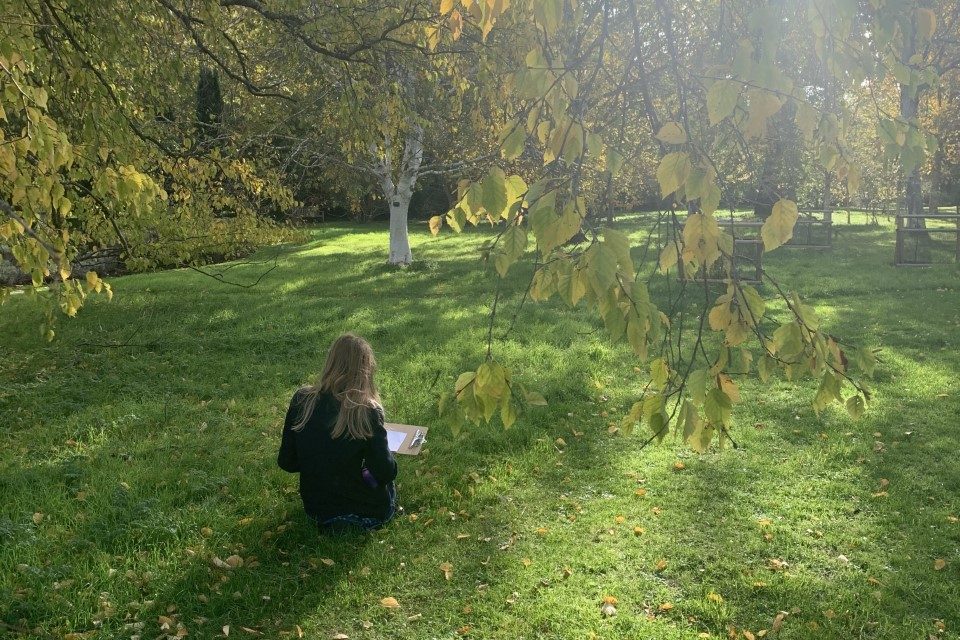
(400, 191)
(909, 107)
(400, 253)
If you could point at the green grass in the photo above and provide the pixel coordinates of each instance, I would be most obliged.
(157, 415)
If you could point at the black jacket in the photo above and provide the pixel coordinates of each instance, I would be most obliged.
(330, 480)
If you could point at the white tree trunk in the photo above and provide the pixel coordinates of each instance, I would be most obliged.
(399, 192)
(399, 240)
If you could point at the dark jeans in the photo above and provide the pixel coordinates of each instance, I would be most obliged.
(349, 520)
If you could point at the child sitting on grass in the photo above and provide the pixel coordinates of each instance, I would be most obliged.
(334, 437)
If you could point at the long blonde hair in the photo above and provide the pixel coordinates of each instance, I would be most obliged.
(348, 376)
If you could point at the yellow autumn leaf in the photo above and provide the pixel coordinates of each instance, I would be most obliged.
(620, 519)
(661, 565)
(715, 597)
(939, 564)
(672, 133)
(389, 602)
(679, 466)
(436, 222)
(666, 606)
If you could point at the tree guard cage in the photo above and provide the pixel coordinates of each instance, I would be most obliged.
(813, 230)
(919, 247)
(747, 259)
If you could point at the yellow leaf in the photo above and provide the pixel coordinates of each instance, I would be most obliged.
(672, 172)
(939, 564)
(661, 565)
(206, 532)
(714, 597)
(37, 518)
(672, 133)
(778, 228)
(456, 24)
(389, 603)
(926, 23)
(609, 600)
(666, 606)
(679, 466)
(620, 519)
(640, 492)
(526, 562)
(748, 635)
(436, 222)
(729, 387)
(446, 6)
(326, 561)
(447, 570)
(639, 531)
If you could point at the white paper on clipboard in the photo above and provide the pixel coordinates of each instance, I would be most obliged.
(395, 439)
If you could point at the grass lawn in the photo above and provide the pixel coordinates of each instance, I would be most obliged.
(141, 445)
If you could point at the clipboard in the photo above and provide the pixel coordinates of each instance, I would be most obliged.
(411, 441)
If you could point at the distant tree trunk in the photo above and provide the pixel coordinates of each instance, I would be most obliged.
(936, 182)
(398, 190)
(909, 107)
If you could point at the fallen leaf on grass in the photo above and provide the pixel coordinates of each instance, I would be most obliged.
(715, 597)
(463, 536)
(220, 564)
(390, 603)
(639, 531)
(661, 565)
(776, 564)
(939, 564)
(526, 562)
(640, 492)
(447, 570)
(298, 630)
(234, 561)
(666, 606)
(884, 483)
(560, 442)
(567, 572)
(37, 518)
(748, 635)
(778, 621)
(327, 561)
(226, 630)
(206, 532)
(252, 632)
(679, 466)
(953, 519)
(339, 636)
(620, 519)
